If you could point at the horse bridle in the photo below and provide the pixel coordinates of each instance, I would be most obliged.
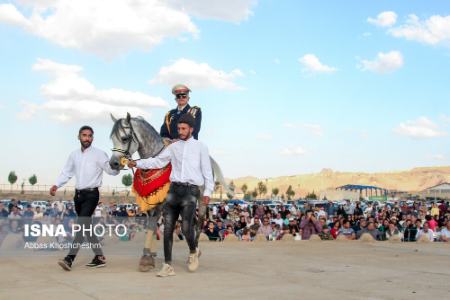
(132, 136)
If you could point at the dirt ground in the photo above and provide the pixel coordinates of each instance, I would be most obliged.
(240, 270)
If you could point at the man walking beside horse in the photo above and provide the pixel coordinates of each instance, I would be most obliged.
(191, 169)
(169, 131)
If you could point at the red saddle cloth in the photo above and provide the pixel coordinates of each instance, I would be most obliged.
(147, 182)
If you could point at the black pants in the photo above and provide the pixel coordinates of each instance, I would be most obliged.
(85, 204)
(180, 200)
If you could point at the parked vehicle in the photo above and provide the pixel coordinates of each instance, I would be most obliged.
(40, 203)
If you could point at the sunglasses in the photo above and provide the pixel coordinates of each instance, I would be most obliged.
(179, 96)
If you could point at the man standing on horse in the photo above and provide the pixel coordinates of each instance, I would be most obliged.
(87, 165)
(191, 169)
(169, 130)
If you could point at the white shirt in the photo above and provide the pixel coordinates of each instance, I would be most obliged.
(87, 166)
(429, 234)
(190, 163)
(445, 232)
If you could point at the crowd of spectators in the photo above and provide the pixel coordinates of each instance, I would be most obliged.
(351, 220)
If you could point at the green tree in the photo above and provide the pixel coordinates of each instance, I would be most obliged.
(127, 181)
(244, 188)
(247, 197)
(229, 196)
(311, 196)
(275, 191)
(262, 188)
(12, 178)
(290, 192)
(33, 179)
(255, 193)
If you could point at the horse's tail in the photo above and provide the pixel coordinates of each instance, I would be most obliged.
(218, 176)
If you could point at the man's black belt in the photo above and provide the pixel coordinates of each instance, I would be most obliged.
(186, 184)
(87, 190)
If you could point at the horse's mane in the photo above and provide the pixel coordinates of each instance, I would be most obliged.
(140, 119)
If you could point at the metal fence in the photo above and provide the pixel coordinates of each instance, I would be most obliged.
(43, 188)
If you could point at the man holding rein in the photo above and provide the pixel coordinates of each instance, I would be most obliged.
(191, 169)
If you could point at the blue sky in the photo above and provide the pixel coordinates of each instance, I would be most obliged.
(286, 87)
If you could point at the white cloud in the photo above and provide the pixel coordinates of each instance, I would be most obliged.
(433, 31)
(69, 96)
(421, 128)
(197, 75)
(384, 19)
(104, 27)
(384, 62)
(111, 27)
(10, 15)
(439, 157)
(293, 151)
(445, 119)
(264, 136)
(229, 10)
(315, 129)
(29, 110)
(312, 64)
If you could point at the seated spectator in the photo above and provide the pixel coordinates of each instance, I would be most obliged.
(219, 225)
(425, 231)
(409, 235)
(335, 230)
(277, 233)
(432, 222)
(15, 213)
(265, 229)
(360, 225)
(246, 235)
(393, 231)
(242, 223)
(294, 229)
(445, 233)
(278, 220)
(326, 234)
(228, 231)
(372, 230)
(28, 213)
(310, 225)
(347, 231)
(212, 232)
(3, 211)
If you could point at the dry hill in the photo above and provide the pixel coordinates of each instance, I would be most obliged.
(413, 180)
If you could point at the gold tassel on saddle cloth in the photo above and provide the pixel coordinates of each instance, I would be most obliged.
(149, 202)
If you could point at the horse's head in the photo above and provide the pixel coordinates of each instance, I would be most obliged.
(125, 141)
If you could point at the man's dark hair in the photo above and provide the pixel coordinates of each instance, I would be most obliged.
(86, 127)
(187, 119)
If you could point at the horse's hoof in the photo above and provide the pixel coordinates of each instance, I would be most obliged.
(146, 263)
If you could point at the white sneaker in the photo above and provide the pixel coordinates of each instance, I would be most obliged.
(166, 270)
(192, 262)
